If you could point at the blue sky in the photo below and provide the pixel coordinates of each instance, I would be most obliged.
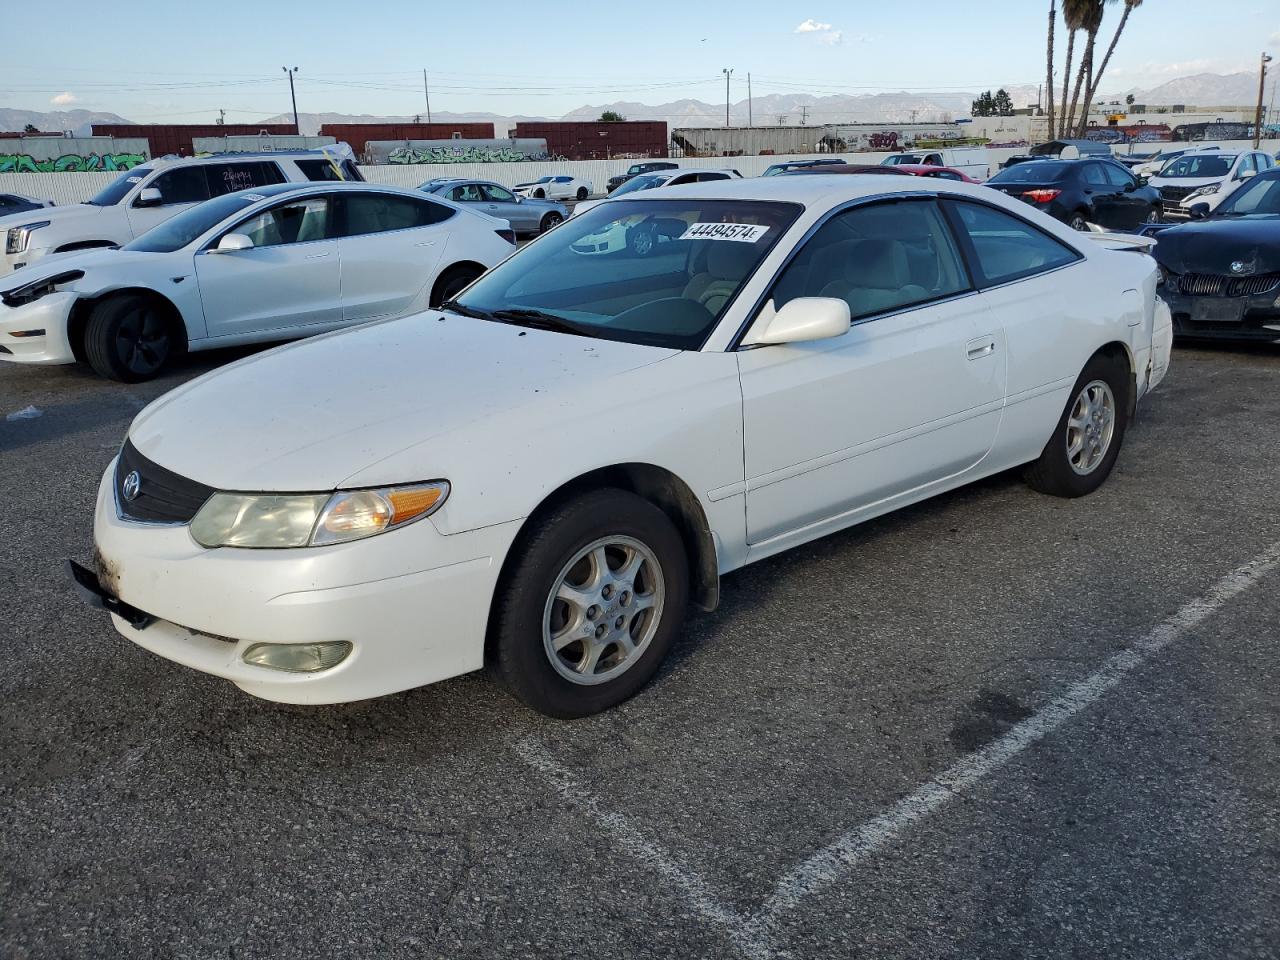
(145, 61)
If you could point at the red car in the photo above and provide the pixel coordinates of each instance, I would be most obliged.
(925, 170)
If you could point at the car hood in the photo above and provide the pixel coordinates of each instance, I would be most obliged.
(313, 414)
(86, 260)
(79, 211)
(1192, 182)
(1211, 246)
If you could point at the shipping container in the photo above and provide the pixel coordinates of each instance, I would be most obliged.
(174, 139)
(357, 135)
(591, 140)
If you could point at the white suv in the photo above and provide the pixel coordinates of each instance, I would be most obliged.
(150, 194)
(1205, 176)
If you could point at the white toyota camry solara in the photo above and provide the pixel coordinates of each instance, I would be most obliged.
(539, 477)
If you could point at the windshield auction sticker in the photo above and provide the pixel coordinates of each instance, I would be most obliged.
(739, 232)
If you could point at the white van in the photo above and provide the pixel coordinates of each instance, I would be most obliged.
(972, 161)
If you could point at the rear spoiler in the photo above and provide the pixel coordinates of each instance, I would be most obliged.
(1120, 241)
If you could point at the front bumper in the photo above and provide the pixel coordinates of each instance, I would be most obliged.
(19, 341)
(10, 262)
(1255, 318)
(413, 603)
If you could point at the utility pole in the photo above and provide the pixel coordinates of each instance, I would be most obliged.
(293, 96)
(426, 92)
(222, 118)
(750, 119)
(804, 115)
(728, 72)
(1257, 117)
(782, 119)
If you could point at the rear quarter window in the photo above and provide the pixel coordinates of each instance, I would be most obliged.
(1004, 248)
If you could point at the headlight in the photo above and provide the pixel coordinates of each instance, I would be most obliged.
(29, 292)
(278, 520)
(17, 238)
(1204, 191)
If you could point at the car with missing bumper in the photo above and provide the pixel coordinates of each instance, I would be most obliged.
(145, 196)
(275, 263)
(559, 187)
(539, 477)
(1220, 274)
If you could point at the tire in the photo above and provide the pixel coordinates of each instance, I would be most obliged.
(129, 338)
(582, 194)
(540, 194)
(1079, 222)
(641, 241)
(592, 671)
(451, 283)
(1154, 216)
(1061, 473)
(549, 222)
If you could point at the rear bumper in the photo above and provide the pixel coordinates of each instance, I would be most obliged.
(414, 607)
(21, 343)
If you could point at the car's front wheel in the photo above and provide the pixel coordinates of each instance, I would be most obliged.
(1153, 216)
(641, 241)
(1085, 443)
(540, 194)
(590, 603)
(582, 194)
(1077, 221)
(128, 338)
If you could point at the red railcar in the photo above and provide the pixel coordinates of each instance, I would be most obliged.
(590, 140)
(175, 138)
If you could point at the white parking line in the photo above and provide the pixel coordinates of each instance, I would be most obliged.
(755, 934)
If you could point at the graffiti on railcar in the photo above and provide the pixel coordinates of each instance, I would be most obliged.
(70, 163)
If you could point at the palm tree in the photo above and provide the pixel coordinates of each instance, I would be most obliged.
(1074, 13)
(1048, 80)
(1091, 23)
(1129, 7)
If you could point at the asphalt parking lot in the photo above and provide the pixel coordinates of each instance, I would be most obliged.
(994, 725)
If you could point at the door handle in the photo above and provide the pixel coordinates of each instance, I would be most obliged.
(982, 347)
(317, 256)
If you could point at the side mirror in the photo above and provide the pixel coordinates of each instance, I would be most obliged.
(232, 243)
(805, 318)
(1198, 211)
(519, 199)
(149, 197)
(1130, 187)
(1142, 181)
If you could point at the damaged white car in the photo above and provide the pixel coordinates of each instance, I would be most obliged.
(540, 476)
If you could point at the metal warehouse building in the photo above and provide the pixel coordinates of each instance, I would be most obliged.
(576, 140)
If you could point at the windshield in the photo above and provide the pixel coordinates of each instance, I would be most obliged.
(1039, 171)
(1199, 165)
(903, 158)
(114, 192)
(176, 232)
(636, 168)
(642, 183)
(646, 271)
(1259, 195)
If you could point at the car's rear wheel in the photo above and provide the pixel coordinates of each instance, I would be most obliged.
(1085, 443)
(129, 338)
(550, 221)
(1078, 222)
(582, 193)
(451, 283)
(590, 603)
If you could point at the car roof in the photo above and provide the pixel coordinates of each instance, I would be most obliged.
(811, 190)
(170, 159)
(682, 170)
(328, 186)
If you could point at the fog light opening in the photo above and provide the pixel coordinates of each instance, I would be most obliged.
(298, 657)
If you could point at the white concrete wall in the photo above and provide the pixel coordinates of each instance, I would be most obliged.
(67, 188)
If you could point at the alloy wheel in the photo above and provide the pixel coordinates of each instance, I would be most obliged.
(1090, 427)
(142, 342)
(603, 610)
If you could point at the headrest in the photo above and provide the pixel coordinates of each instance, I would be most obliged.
(729, 259)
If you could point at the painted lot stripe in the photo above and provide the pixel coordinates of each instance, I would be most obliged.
(755, 934)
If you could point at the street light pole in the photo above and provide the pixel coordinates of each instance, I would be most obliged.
(1257, 117)
(728, 72)
(293, 97)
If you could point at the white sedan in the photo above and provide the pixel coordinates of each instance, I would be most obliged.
(272, 263)
(539, 478)
(554, 188)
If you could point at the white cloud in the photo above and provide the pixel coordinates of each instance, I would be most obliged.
(1274, 39)
(833, 38)
(64, 99)
(813, 26)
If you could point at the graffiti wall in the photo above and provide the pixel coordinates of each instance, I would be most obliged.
(403, 152)
(70, 163)
(1132, 133)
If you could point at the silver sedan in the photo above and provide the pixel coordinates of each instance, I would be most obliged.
(525, 214)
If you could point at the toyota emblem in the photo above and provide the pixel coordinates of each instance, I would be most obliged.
(132, 484)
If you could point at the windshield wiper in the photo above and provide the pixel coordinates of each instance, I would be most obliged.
(523, 317)
(454, 307)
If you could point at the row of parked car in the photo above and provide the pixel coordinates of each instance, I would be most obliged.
(290, 244)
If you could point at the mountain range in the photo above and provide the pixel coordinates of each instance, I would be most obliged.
(1204, 89)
